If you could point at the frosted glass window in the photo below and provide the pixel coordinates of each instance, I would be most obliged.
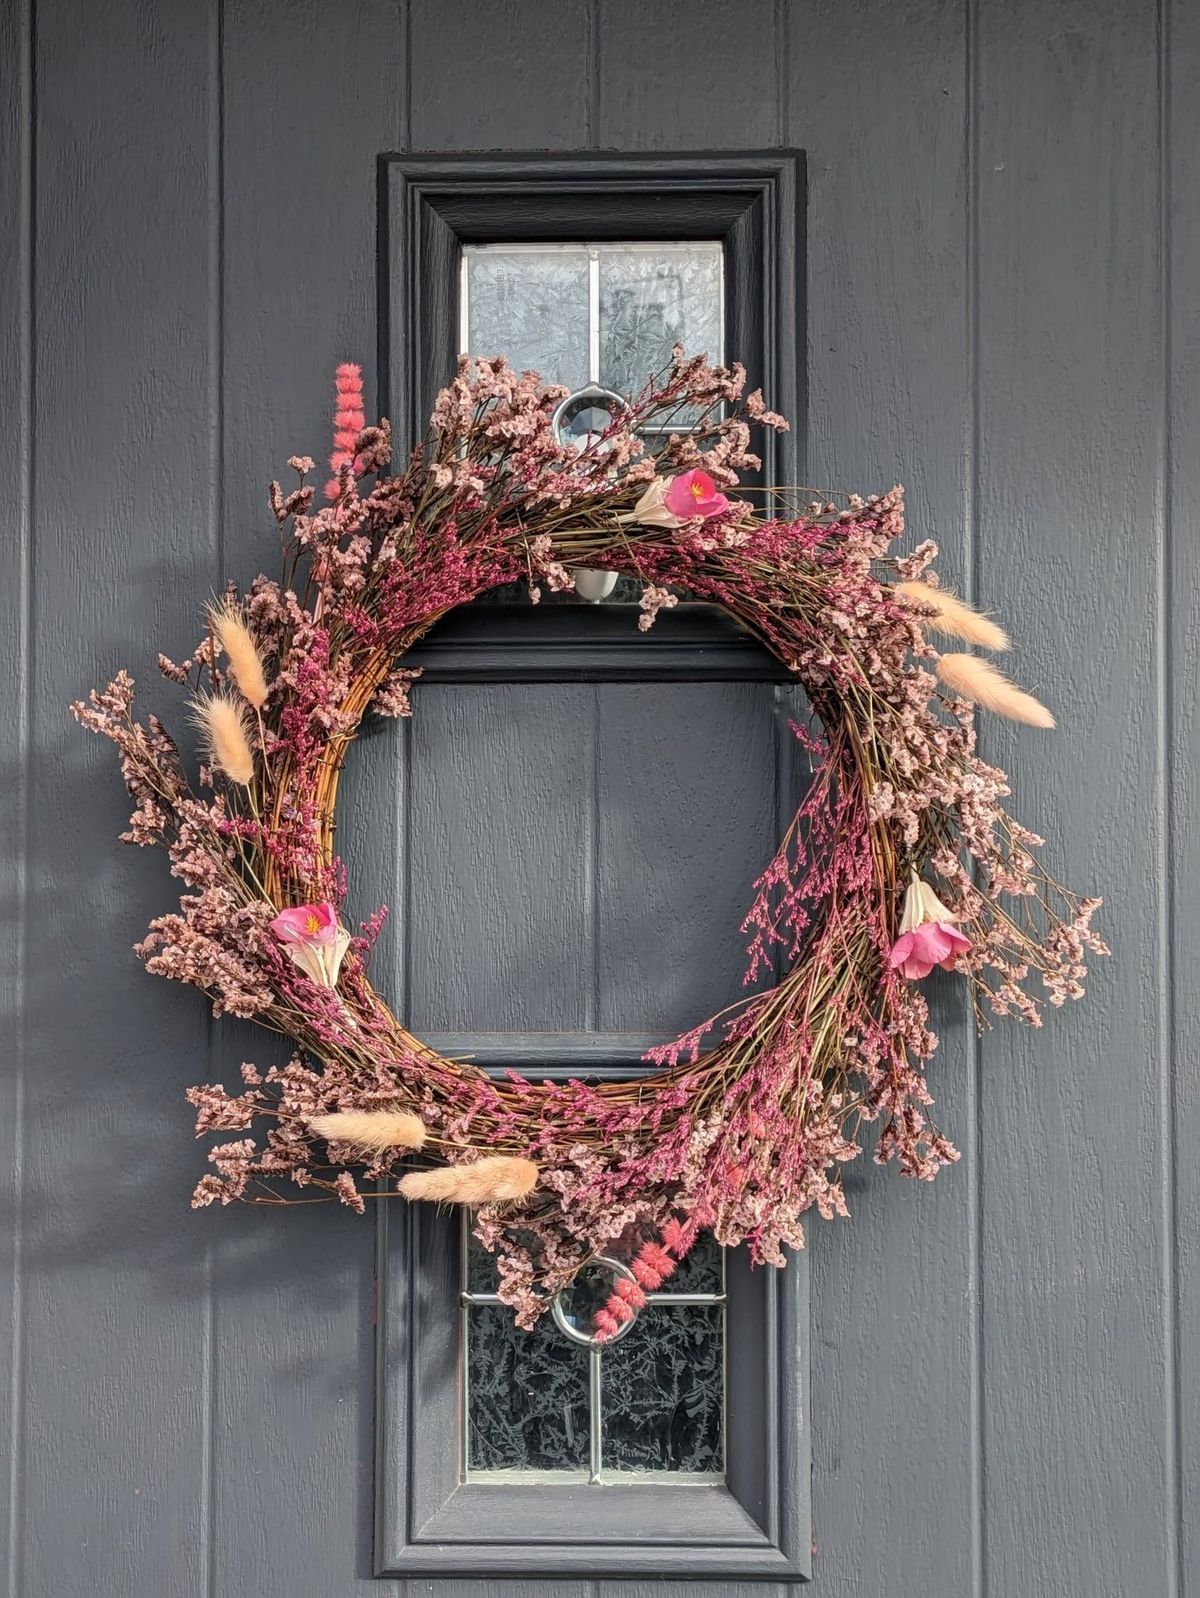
(530, 306)
(541, 1405)
(593, 313)
(586, 315)
(651, 301)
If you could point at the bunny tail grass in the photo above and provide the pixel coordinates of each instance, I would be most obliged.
(495, 1179)
(374, 1130)
(245, 662)
(222, 720)
(980, 682)
(953, 617)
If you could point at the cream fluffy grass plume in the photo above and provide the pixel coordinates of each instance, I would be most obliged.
(222, 720)
(373, 1130)
(980, 682)
(495, 1179)
(245, 663)
(952, 616)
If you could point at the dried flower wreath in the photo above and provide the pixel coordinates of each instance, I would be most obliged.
(748, 1118)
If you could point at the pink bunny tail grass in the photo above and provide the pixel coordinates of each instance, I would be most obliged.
(607, 1325)
(349, 419)
(651, 1266)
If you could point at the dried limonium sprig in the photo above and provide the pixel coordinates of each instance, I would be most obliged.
(901, 858)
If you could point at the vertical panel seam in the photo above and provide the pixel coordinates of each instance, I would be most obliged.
(592, 866)
(974, 1049)
(385, 1251)
(1164, 673)
(593, 74)
(27, 180)
(406, 45)
(593, 125)
(782, 94)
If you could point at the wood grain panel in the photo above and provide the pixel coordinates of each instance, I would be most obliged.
(311, 94)
(109, 1478)
(511, 75)
(1179, 854)
(1078, 1436)
(894, 1355)
(694, 77)
(16, 463)
(685, 796)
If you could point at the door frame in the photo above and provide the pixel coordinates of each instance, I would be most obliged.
(756, 1525)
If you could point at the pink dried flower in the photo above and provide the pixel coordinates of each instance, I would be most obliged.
(928, 936)
(606, 1323)
(313, 940)
(693, 494)
(306, 923)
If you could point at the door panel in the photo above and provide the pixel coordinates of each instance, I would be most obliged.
(999, 301)
(687, 800)
(679, 740)
(498, 837)
(603, 836)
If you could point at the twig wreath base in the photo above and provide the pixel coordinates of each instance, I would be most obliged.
(900, 859)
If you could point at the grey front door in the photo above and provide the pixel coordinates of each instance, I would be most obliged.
(995, 256)
(573, 820)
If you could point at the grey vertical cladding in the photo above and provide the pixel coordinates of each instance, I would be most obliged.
(1180, 669)
(895, 1440)
(1077, 1242)
(1004, 242)
(106, 1478)
(16, 467)
(311, 93)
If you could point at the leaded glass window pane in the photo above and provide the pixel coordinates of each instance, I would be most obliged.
(651, 300)
(532, 307)
(593, 313)
(527, 1396)
(544, 1404)
(662, 1392)
(586, 315)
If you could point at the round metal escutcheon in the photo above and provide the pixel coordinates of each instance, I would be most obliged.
(586, 414)
(574, 1307)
